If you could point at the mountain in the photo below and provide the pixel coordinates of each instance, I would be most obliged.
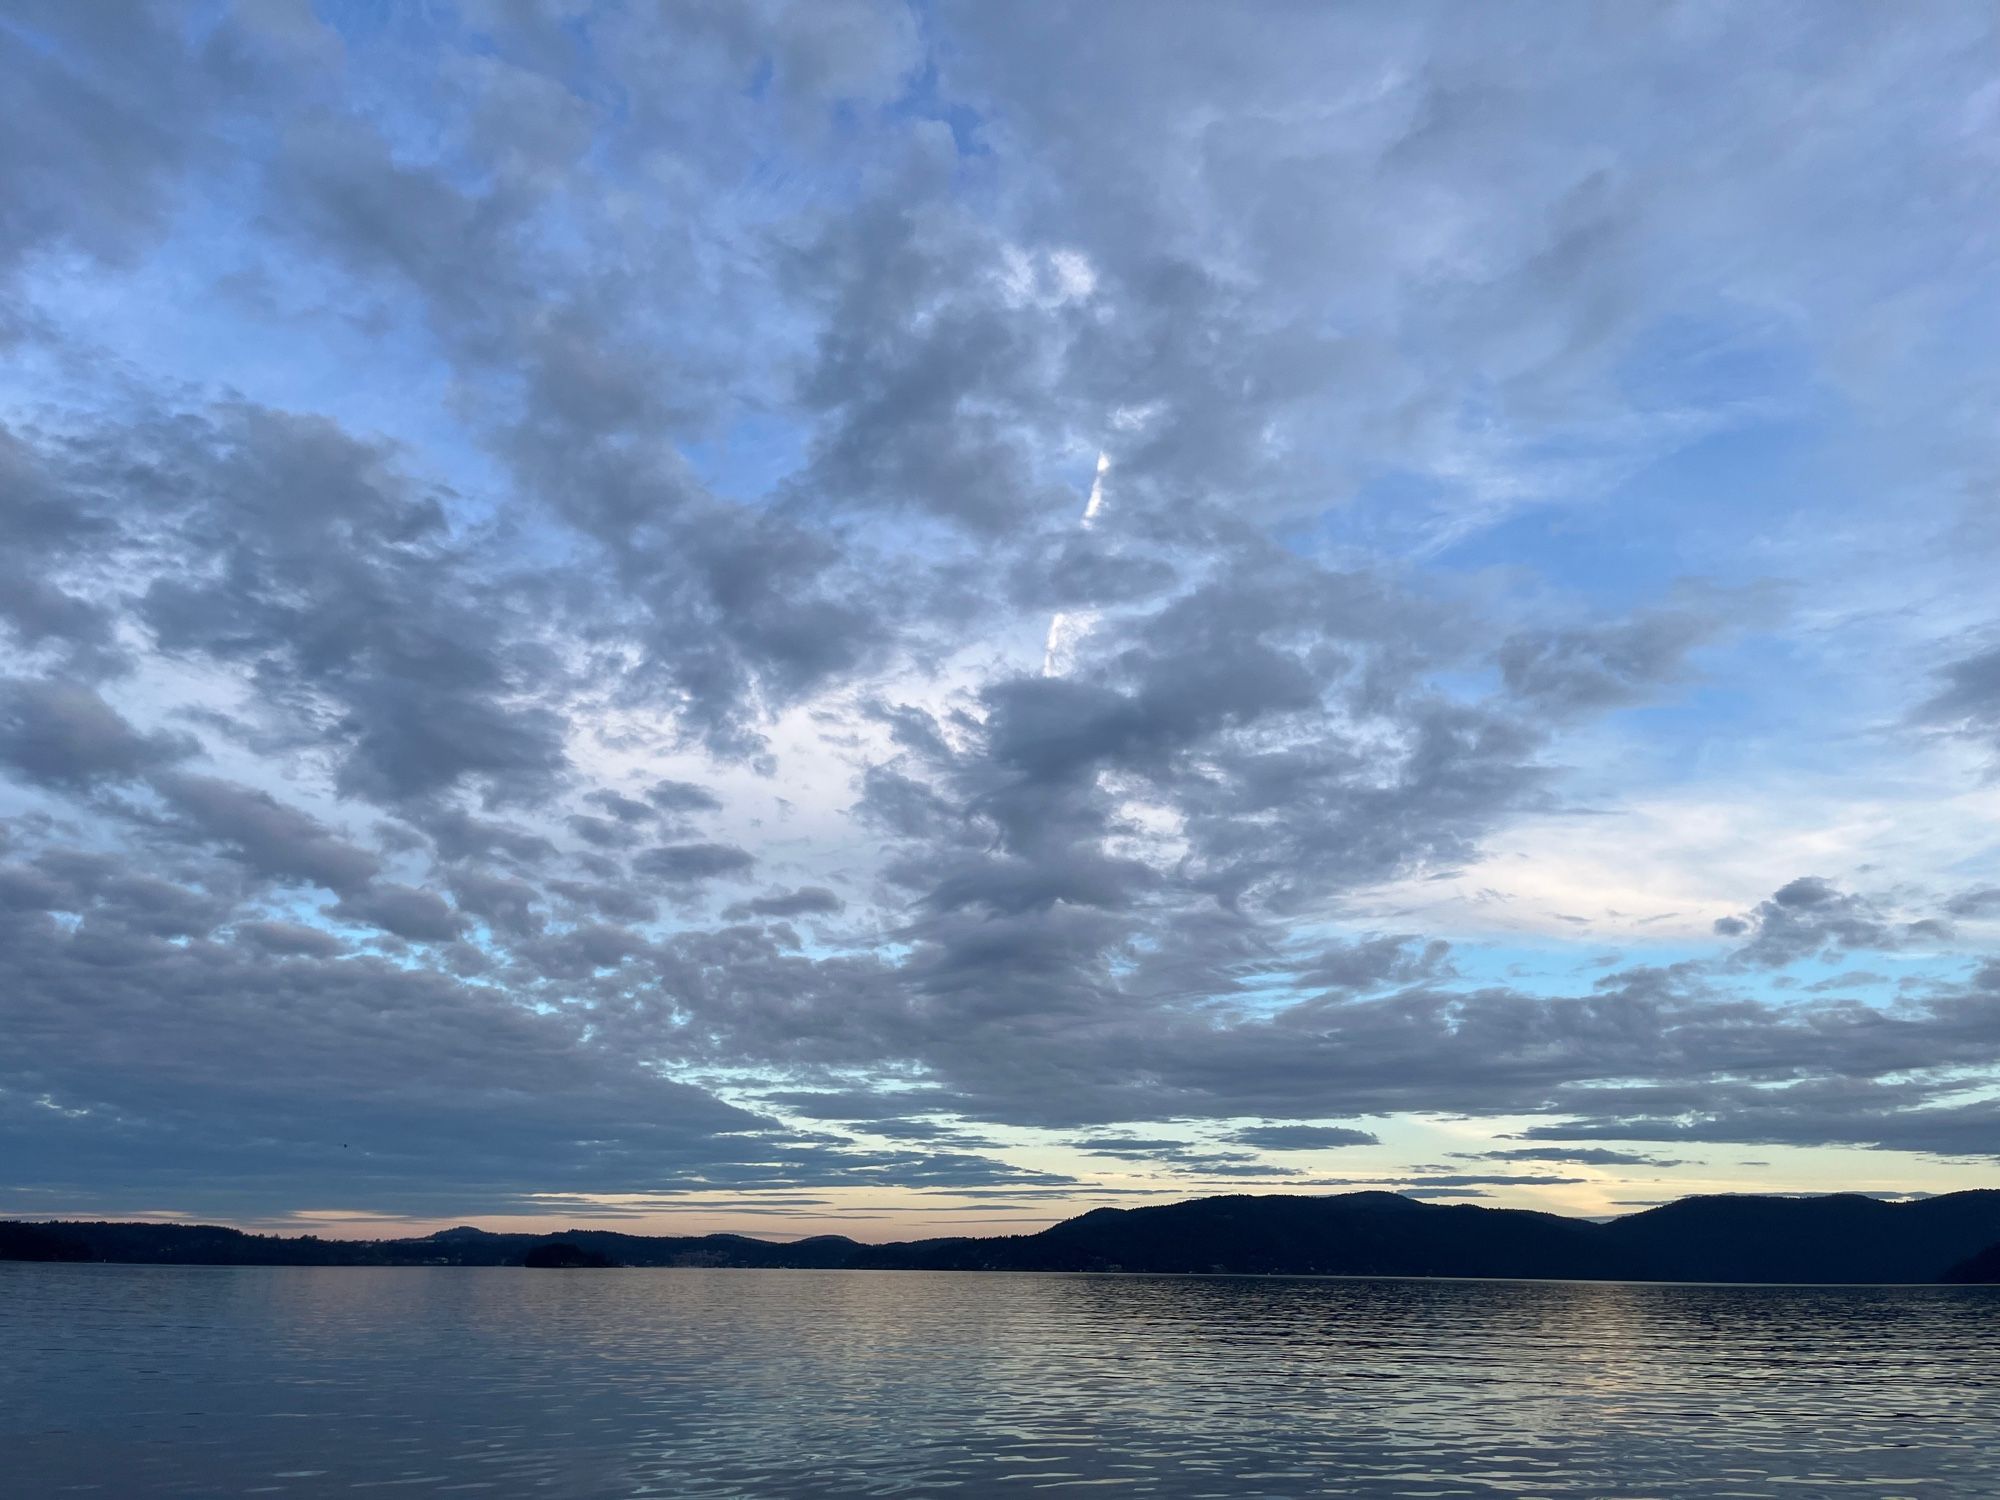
(1842, 1238)
(1356, 1234)
(28, 1242)
(561, 1255)
(1982, 1269)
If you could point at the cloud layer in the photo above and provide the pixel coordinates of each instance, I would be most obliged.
(552, 647)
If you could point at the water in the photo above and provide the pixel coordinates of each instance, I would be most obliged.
(139, 1381)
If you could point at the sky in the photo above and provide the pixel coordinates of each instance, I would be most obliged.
(908, 619)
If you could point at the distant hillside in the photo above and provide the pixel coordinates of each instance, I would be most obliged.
(28, 1242)
(1982, 1269)
(561, 1255)
(1842, 1238)
(1355, 1234)
(1845, 1238)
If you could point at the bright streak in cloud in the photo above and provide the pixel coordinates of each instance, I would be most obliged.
(1065, 630)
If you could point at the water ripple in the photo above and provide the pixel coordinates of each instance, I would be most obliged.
(146, 1382)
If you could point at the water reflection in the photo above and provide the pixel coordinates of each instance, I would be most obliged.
(154, 1381)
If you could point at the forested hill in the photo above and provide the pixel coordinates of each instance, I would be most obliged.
(1842, 1238)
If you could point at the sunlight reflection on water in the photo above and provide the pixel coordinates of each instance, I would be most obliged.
(155, 1381)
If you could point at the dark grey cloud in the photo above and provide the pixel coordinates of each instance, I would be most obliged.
(806, 901)
(100, 887)
(461, 836)
(930, 380)
(1582, 1156)
(297, 1074)
(331, 578)
(1180, 1157)
(1572, 670)
(682, 797)
(615, 901)
(49, 534)
(624, 809)
(859, 1104)
(106, 114)
(719, 608)
(280, 938)
(1967, 701)
(1374, 963)
(274, 841)
(420, 916)
(918, 1130)
(1846, 1112)
(682, 864)
(1984, 902)
(1100, 1049)
(1303, 1137)
(605, 833)
(64, 734)
(1810, 917)
(510, 907)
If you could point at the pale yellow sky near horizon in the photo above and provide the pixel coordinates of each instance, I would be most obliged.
(876, 1215)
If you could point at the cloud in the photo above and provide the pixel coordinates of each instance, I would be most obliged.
(1967, 701)
(1976, 903)
(682, 797)
(281, 938)
(807, 900)
(1809, 917)
(523, 624)
(1572, 670)
(108, 116)
(680, 864)
(1582, 1156)
(64, 734)
(420, 916)
(1303, 1137)
(272, 840)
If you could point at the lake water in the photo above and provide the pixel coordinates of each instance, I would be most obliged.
(135, 1382)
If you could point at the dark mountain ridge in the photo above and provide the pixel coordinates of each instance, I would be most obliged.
(1982, 1269)
(1839, 1238)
